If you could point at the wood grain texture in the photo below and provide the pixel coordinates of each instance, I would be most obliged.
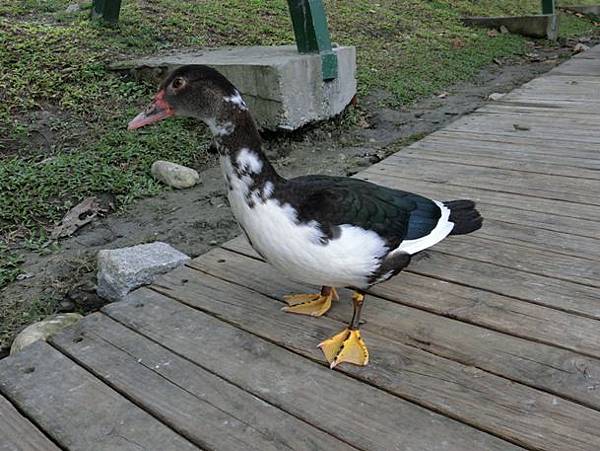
(77, 410)
(478, 398)
(422, 313)
(490, 157)
(17, 433)
(357, 413)
(209, 411)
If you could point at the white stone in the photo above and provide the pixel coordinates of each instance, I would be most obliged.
(496, 96)
(174, 175)
(123, 270)
(72, 8)
(580, 48)
(43, 329)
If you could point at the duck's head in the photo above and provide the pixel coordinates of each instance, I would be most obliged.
(192, 91)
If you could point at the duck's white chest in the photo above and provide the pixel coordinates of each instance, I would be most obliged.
(299, 249)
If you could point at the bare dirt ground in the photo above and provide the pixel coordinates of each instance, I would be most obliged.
(197, 219)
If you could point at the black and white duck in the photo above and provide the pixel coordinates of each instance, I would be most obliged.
(328, 231)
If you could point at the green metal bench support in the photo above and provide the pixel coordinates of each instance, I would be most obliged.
(312, 35)
(548, 7)
(106, 10)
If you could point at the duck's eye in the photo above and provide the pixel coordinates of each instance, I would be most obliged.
(178, 83)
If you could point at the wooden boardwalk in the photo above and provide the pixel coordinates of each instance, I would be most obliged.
(488, 342)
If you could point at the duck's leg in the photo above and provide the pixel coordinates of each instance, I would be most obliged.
(347, 345)
(311, 304)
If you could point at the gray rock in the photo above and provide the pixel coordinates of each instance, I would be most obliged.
(73, 8)
(125, 269)
(174, 175)
(43, 329)
(580, 48)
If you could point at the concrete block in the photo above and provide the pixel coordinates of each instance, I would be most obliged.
(539, 26)
(283, 88)
(123, 270)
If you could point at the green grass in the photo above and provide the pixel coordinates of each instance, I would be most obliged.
(53, 61)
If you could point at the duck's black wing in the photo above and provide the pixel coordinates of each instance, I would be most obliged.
(333, 201)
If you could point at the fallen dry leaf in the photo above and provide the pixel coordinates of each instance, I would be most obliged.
(78, 216)
(457, 43)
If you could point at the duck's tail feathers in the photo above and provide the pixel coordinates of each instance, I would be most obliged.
(465, 217)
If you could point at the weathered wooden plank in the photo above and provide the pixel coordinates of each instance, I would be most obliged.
(486, 401)
(502, 253)
(573, 227)
(529, 144)
(545, 291)
(549, 368)
(207, 410)
(17, 433)
(509, 106)
(541, 239)
(562, 85)
(483, 195)
(578, 68)
(504, 125)
(77, 410)
(357, 413)
(468, 153)
(524, 183)
(561, 104)
(582, 122)
(576, 125)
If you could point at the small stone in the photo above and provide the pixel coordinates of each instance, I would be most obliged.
(492, 33)
(496, 96)
(66, 306)
(72, 8)
(579, 48)
(174, 175)
(125, 269)
(503, 29)
(43, 329)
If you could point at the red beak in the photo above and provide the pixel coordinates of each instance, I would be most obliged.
(159, 109)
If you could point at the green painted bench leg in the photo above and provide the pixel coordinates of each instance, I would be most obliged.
(107, 10)
(312, 35)
(548, 6)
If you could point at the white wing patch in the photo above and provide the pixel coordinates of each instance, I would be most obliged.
(237, 100)
(439, 232)
(248, 161)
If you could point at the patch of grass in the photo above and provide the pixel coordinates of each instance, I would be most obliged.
(9, 266)
(15, 315)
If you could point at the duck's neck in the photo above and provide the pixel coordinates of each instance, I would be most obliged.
(240, 147)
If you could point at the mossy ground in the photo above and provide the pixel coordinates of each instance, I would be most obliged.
(63, 114)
